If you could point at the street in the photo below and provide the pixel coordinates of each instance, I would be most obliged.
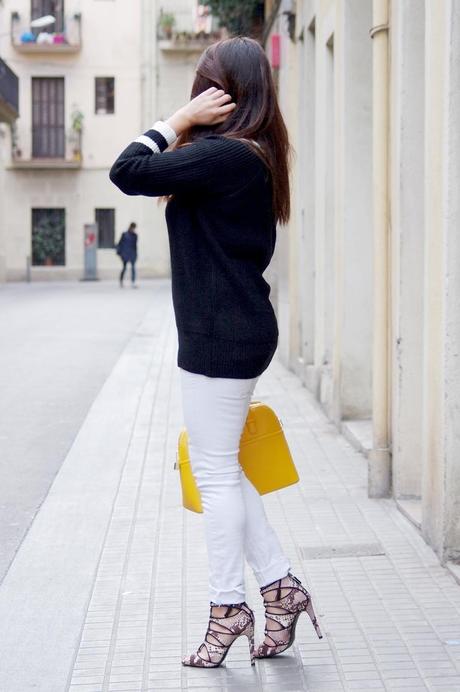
(59, 343)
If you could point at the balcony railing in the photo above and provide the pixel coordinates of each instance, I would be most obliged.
(26, 40)
(71, 158)
(9, 96)
(186, 42)
(45, 164)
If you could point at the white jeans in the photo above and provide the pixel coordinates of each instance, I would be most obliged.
(236, 526)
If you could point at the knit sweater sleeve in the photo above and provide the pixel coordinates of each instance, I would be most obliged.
(213, 163)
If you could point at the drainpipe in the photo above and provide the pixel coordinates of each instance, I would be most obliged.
(379, 477)
(149, 61)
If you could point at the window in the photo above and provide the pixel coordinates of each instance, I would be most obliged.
(105, 219)
(48, 237)
(48, 127)
(41, 8)
(105, 95)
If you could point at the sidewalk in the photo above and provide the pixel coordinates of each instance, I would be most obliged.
(109, 588)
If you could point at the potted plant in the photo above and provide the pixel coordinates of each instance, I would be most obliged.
(76, 132)
(48, 243)
(15, 149)
(167, 22)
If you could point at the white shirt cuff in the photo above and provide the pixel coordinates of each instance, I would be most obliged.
(166, 130)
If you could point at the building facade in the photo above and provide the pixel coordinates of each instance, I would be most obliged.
(93, 76)
(367, 274)
(9, 111)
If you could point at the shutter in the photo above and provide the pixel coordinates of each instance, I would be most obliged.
(48, 126)
(104, 95)
(106, 224)
(40, 8)
(36, 9)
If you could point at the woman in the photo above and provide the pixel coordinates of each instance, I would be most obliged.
(228, 185)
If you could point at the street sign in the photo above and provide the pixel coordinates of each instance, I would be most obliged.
(90, 252)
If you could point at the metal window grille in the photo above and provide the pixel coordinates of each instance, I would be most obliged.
(48, 237)
(40, 8)
(105, 95)
(48, 126)
(9, 88)
(105, 219)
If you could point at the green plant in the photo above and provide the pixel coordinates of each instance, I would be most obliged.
(77, 118)
(48, 241)
(167, 20)
(15, 150)
(184, 36)
(237, 16)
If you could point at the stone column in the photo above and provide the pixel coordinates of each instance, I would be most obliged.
(441, 425)
(325, 205)
(353, 223)
(407, 228)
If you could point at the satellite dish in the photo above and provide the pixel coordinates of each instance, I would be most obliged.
(40, 22)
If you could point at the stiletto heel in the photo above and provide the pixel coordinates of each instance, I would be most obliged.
(282, 613)
(250, 636)
(222, 632)
(309, 610)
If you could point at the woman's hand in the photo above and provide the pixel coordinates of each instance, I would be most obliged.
(210, 107)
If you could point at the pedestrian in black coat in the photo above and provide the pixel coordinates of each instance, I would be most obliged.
(127, 251)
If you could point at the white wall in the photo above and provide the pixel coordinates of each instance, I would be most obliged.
(4, 143)
(441, 384)
(329, 295)
(325, 187)
(306, 192)
(354, 294)
(452, 365)
(408, 230)
(418, 420)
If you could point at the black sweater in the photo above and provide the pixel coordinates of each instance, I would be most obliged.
(222, 235)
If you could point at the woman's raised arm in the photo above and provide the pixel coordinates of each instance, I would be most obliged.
(141, 170)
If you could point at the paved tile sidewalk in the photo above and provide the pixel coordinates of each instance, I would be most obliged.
(390, 614)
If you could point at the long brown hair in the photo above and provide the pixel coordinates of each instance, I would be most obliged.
(240, 67)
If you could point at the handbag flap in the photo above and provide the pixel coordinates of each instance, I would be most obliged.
(261, 421)
(182, 448)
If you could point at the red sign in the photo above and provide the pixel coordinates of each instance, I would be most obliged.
(90, 239)
(276, 50)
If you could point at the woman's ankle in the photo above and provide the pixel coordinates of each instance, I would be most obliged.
(220, 609)
(274, 581)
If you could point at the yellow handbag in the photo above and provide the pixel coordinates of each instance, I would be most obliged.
(264, 456)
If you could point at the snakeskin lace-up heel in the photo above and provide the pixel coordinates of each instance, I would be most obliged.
(237, 620)
(284, 601)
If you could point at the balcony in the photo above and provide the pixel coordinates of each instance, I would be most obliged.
(9, 99)
(67, 156)
(48, 164)
(27, 40)
(186, 42)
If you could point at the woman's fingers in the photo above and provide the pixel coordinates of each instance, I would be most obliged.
(217, 92)
(216, 96)
(223, 104)
(222, 99)
(224, 112)
(211, 106)
(227, 108)
(212, 92)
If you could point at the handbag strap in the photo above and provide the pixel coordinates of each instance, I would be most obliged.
(251, 422)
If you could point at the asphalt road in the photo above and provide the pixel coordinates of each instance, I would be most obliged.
(58, 344)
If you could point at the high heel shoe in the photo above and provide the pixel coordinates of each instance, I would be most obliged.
(284, 601)
(222, 631)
